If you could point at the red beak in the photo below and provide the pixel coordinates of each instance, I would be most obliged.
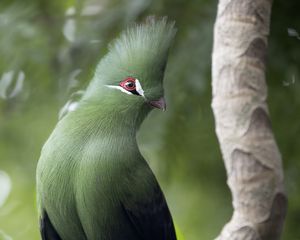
(160, 103)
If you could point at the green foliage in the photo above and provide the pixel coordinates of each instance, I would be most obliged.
(57, 44)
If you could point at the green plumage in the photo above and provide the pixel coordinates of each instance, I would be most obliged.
(92, 181)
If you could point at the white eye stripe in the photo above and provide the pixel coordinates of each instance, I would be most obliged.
(119, 88)
(139, 88)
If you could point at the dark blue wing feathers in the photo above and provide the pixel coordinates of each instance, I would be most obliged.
(152, 219)
(46, 228)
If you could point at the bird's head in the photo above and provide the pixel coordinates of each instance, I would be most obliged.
(131, 75)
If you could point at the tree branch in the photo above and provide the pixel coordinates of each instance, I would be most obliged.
(251, 156)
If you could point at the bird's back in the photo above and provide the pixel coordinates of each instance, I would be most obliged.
(90, 191)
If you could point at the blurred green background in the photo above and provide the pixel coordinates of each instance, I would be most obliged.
(49, 49)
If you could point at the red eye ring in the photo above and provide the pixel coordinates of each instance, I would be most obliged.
(128, 84)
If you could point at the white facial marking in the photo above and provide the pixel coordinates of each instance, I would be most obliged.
(119, 88)
(139, 88)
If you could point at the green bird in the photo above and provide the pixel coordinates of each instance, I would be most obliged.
(92, 181)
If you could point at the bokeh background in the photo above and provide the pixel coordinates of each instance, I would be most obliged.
(49, 49)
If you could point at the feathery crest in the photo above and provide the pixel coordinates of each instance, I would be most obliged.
(152, 38)
(140, 48)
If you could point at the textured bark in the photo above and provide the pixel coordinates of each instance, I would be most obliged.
(251, 156)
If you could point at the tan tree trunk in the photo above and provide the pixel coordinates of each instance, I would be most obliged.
(251, 156)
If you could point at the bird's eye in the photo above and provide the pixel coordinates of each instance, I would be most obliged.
(131, 85)
(128, 84)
